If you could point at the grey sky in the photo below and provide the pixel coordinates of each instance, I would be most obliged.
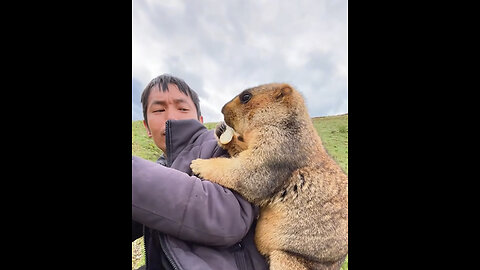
(222, 47)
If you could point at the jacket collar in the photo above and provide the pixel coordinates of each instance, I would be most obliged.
(179, 134)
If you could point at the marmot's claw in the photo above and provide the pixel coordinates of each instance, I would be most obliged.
(195, 166)
(221, 127)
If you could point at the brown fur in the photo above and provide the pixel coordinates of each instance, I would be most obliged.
(278, 162)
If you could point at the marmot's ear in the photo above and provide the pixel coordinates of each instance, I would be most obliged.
(282, 91)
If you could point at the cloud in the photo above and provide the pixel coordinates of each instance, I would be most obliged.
(221, 49)
(137, 88)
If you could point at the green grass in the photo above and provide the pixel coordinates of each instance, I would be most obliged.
(210, 125)
(138, 256)
(333, 131)
(142, 145)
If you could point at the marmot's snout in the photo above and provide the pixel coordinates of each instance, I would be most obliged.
(223, 108)
(227, 115)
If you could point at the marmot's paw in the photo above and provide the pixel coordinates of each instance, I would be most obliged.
(197, 166)
(224, 133)
(219, 129)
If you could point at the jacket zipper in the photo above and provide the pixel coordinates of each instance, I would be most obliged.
(240, 256)
(168, 142)
(163, 244)
(145, 250)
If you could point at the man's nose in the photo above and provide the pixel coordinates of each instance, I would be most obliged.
(172, 115)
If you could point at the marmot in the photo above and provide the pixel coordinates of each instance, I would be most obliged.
(278, 163)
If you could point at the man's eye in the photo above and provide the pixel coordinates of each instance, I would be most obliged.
(161, 110)
(183, 109)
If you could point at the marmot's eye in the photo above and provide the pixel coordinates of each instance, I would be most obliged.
(245, 97)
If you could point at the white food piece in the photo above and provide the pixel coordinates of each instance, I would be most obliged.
(227, 135)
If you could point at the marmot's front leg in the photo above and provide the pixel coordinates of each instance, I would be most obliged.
(215, 170)
(238, 173)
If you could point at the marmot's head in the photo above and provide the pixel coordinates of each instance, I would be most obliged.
(269, 104)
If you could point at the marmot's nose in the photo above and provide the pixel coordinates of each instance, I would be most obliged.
(223, 109)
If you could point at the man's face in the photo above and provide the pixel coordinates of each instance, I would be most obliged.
(163, 106)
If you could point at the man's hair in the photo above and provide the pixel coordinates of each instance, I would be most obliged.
(162, 81)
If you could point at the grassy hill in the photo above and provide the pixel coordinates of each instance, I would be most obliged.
(332, 129)
(142, 145)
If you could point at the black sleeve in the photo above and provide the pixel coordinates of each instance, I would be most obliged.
(137, 230)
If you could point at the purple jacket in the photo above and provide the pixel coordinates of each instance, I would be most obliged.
(189, 222)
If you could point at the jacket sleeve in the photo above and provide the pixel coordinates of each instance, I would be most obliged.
(187, 207)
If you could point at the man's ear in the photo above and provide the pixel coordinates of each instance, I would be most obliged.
(282, 91)
(200, 119)
(148, 130)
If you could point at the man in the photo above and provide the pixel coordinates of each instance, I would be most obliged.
(187, 222)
